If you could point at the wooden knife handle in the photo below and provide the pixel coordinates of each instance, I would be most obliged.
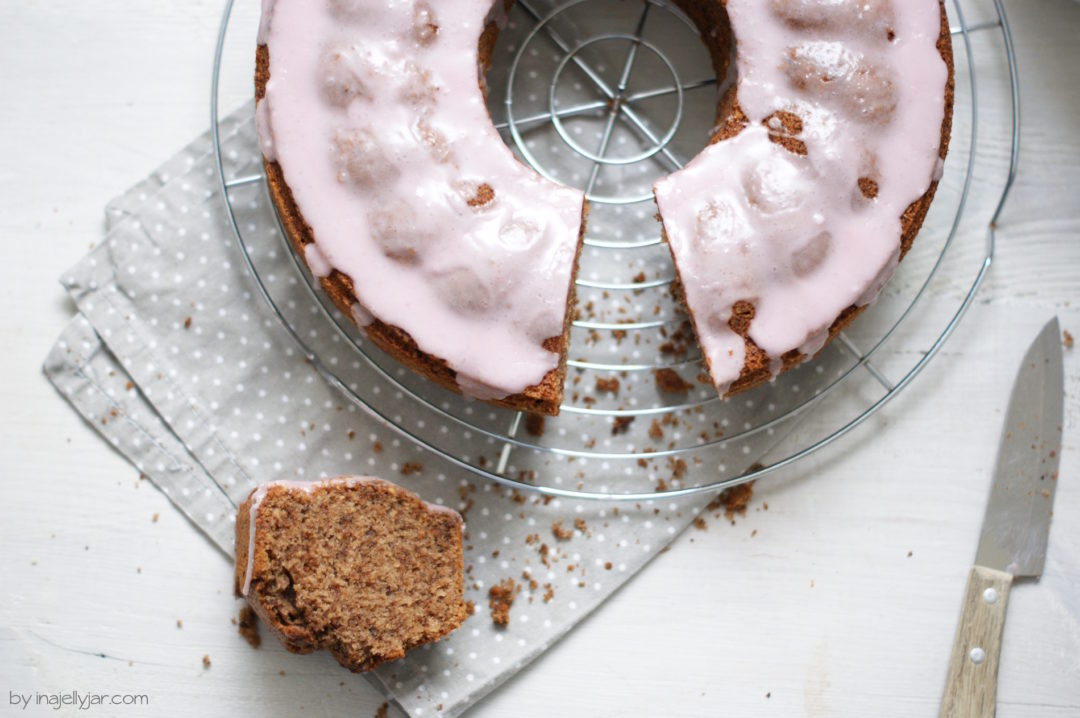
(971, 685)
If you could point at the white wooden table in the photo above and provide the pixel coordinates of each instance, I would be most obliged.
(843, 602)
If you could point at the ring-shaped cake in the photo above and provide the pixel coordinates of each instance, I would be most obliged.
(459, 261)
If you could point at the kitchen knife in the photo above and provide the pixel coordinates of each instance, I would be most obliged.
(1015, 528)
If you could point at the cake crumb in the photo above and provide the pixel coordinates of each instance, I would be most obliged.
(411, 467)
(500, 599)
(909, 554)
(733, 500)
(249, 626)
(580, 525)
(534, 424)
(668, 381)
(154, 518)
(380, 712)
(376, 447)
(699, 523)
(607, 565)
(549, 592)
(179, 623)
(206, 661)
(621, 424)
(562, 534)
(610, 384)
(655, 432)
(470, 607)
(1067, 339)
(187, 323)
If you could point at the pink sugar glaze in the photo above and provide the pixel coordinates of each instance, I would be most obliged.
(382, 134)
(748, 220)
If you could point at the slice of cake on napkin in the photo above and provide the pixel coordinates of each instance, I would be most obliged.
(355, 565)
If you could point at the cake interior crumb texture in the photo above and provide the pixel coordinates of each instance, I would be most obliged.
(365, 570)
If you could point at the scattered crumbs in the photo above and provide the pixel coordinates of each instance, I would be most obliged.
(154, 518)
(753, 533)
(733, 500)
(500, 599)
(206, 661)
(249, 626)
(765, 505)
(380, 712)
(580, 525)
(351, 434)
(1067, 339)
(620, 424)
(376, 447)
(562, 534)
(699, 523)
(610, 384)
(549, 592)
(127, 387)
(607, 565)
(639, 277)
(179, 623)
(411, 467)
(534, 424)
(668, 381)
(677, 466)
(470, 607)
(909, 554)
(187, 323)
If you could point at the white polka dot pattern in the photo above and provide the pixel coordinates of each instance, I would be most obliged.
(181, 367)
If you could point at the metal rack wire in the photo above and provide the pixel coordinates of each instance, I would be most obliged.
(614, 83)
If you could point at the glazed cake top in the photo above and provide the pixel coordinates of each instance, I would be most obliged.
(375, 114)
(794, 235)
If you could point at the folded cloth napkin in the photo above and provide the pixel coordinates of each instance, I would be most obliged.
(179, 363)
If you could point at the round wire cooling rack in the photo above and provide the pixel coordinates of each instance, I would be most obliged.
(633, 82)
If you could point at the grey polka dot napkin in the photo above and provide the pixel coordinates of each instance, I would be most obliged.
(177, 361)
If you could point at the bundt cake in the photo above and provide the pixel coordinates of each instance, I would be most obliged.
(393, 185)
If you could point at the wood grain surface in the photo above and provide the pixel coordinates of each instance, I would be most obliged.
(971, 682)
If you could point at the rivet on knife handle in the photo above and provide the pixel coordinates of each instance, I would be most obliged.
(971, 684)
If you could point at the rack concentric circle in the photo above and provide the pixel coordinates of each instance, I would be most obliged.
(622, 434)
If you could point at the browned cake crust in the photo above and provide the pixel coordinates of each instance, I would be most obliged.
(730, 121)
(542, 398)
(363, 569)
(545, 397)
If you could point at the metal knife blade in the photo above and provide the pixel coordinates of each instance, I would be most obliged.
(1017, 521)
